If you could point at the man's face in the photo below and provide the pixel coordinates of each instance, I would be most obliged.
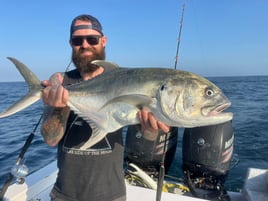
(87, 45)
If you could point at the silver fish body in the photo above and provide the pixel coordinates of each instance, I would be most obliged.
(111, 101)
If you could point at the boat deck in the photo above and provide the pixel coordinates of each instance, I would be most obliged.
(38, 186)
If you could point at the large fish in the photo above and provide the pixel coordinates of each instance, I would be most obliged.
(111, 100)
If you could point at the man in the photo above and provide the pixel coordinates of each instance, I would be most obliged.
(95, 174)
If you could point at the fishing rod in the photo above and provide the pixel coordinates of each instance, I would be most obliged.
(161, 172)
(19, 171)
(179, 37)
(162, 164)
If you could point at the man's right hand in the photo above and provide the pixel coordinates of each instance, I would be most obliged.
(54, 94)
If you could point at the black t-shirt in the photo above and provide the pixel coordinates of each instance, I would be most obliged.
(94, 174)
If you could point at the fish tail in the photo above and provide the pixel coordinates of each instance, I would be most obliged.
(34, 89)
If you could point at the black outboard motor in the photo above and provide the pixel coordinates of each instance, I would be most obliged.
(146, 154)
(207, 153)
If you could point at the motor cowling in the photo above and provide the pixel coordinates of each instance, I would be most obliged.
(207, 153)
(148, 154)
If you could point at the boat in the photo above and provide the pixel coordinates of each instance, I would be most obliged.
(38, 185)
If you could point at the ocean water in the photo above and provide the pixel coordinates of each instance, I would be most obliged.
(249, 97)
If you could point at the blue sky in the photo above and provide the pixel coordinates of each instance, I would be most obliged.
(219, 38)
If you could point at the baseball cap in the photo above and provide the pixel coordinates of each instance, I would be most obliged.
(95, 24)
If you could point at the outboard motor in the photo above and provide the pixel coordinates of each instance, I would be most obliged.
(146, 154)
(207, 153)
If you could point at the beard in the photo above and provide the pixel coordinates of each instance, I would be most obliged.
(83, 64)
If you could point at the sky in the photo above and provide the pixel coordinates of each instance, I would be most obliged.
(218, 38)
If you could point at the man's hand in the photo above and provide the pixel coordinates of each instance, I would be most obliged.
(55, 95)
(150, 126)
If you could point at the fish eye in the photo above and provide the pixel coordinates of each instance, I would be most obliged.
(209, 92)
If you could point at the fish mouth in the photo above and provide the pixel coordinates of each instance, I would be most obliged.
(216, 110)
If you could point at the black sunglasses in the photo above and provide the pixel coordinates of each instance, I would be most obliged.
(91, 40)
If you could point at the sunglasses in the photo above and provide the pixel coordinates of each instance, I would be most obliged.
(91, 40)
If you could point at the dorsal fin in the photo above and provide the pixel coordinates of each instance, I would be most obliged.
(108, 66)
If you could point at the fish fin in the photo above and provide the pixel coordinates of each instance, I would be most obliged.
(136, 100)
(97, 135)
(34, 89)
(108, 66)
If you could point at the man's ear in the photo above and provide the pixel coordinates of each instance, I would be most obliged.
(104, 41)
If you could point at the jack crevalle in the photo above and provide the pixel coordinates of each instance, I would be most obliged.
(111, 100)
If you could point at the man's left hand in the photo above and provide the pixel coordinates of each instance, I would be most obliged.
(150, 126)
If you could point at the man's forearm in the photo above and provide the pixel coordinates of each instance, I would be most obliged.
(54, 124)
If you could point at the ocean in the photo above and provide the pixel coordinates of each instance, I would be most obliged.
(249, 97)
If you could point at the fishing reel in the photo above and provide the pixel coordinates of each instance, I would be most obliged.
(20, 171)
